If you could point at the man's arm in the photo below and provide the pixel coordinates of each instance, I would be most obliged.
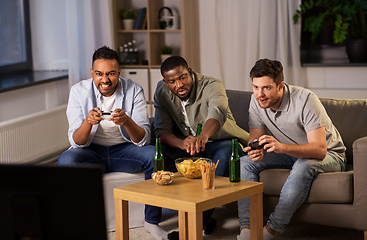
(192, 144)
(82, 134)
(197, 144)
(315, 148)
(135, 132)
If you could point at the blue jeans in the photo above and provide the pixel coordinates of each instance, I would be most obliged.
(215, 150)
(294, 191)
(124, 157)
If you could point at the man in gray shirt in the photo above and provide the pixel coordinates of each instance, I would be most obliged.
(295, 133)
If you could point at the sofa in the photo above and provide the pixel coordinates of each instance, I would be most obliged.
(336, 199)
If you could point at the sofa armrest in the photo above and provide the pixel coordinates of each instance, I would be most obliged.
(360, 182)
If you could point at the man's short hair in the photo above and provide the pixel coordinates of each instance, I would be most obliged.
(173, 62)
(270, 68)
(105, 53)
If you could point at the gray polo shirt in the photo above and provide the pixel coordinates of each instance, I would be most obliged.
(208, 99)
(300, 112)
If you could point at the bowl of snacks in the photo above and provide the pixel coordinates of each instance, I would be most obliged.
(190, 166)
(163, 177)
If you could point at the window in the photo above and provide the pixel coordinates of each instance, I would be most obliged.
(15, 37)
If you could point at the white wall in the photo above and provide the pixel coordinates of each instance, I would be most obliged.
(33, 99)
(337, 82)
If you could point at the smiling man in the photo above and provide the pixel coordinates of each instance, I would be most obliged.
(302, 138)
(109, 125)
(182, 100)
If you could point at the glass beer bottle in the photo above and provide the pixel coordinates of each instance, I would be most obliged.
(158, 160)
(198, 131)
(234, 163)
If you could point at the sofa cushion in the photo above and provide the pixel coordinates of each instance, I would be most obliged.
(347, 115)
(239, 102)
(334, 187)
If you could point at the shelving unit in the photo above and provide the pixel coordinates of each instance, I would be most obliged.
(184, 40)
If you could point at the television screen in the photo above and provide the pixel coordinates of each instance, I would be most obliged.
(49, 202)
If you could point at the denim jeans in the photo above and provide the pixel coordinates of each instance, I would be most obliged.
(215, 150)
(124, 157)
(294, 191)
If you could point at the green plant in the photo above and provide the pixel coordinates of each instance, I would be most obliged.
(320, 13)
(127, 13)
(166, 49)
(358, 26)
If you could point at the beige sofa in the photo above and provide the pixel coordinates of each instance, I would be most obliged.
(336, 199)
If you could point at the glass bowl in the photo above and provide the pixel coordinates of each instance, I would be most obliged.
(163, 177)
(190, 166)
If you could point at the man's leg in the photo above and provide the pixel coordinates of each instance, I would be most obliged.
(297, 187)
(77, 156)
(250, 171)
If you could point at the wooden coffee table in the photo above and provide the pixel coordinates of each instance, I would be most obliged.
(190, 200)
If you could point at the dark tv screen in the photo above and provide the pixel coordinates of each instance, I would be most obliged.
(49, 202)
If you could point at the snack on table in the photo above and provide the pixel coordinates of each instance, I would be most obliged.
(162, 177)
(190, 167)
(208, 173)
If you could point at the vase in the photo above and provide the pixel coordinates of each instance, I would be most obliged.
(165, 56)
(128, 24)
(356, 50)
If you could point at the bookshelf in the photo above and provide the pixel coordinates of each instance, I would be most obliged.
(184, 39)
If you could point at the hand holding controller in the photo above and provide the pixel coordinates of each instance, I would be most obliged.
(256, 145)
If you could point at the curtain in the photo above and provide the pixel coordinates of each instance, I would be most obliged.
(245, 31)
(89, 27)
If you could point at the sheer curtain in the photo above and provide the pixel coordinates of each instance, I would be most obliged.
(89, 26)
(245, 31)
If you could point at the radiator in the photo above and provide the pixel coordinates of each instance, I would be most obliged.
(33, 137)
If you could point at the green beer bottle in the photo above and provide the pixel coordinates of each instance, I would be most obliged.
(158, 161)
(234, 163)
(198, 131)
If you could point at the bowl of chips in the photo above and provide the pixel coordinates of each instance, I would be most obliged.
(163, 177)
(190, 166)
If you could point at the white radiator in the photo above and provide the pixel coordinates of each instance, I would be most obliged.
(33, 137)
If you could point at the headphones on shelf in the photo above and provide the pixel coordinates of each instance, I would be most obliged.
(166, 22)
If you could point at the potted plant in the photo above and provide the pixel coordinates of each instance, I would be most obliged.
(324, 15)
(356, 44)
(128, 16)
(166, 52)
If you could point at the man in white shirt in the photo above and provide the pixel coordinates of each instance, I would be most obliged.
(109, 125)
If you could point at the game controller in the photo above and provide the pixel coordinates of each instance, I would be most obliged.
(106, 115)
(256, 145)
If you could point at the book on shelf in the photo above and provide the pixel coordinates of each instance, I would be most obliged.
(144, 22)
(140, 20)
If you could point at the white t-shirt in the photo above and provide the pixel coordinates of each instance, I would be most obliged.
(183, 104)
(108, 133)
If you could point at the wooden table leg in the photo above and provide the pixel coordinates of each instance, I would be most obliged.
(122, 219)
(256, 217)
(183, 225)
(195, 226)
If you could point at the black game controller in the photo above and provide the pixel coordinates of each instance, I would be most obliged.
(255, 145)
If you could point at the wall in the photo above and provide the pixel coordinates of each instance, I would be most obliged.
(33, 99)
(338, 82)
